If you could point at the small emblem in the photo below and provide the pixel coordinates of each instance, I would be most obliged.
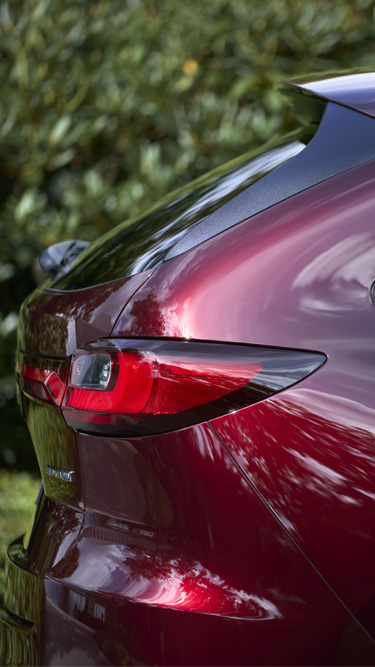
(60, 473)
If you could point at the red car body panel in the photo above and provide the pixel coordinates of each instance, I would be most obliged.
(321, 468)
(56, 323)
(303, 276)
(317, 473)
(179, 558)
(278, 279)
(248, 539)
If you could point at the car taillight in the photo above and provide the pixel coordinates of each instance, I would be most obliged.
(136, 387)
(44, 379)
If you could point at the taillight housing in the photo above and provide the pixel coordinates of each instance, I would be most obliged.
(137, 387)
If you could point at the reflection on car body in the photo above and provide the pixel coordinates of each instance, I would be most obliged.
(199, 388)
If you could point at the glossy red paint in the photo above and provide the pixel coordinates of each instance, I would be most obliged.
(56, 323)
(178, 558)
(296, 275)
(310, 455)
(246, 540)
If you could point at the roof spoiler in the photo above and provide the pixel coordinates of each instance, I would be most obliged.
(353, 90)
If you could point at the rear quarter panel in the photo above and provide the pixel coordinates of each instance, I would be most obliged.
(297, 275)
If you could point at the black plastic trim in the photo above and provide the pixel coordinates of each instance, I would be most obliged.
(344, 140)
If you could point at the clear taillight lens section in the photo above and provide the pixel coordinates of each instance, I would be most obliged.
(136, 387)
(91, 371)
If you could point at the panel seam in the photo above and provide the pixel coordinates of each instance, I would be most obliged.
(281, 524)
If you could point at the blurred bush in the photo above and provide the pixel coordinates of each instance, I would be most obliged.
(107, 105)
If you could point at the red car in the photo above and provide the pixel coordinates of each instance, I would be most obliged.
(199, 389)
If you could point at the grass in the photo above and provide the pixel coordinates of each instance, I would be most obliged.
(17, 497)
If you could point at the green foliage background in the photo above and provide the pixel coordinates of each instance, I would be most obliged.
(105, 106)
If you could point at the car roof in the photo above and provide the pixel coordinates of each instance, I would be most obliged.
(353, 90)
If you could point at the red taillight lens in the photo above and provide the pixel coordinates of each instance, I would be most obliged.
(133, 387)
(185, 383)
(47, 384)
(156, 383)
(128, 387)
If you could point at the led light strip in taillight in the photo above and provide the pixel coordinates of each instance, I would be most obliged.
(135, 387)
